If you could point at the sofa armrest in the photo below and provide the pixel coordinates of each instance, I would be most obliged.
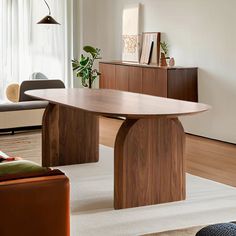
(35, 206)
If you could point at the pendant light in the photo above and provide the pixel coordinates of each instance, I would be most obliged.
(48, 19)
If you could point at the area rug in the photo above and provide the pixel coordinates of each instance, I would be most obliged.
(92, 212)
(181, 232)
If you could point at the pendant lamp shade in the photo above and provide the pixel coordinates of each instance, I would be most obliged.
(48, 19)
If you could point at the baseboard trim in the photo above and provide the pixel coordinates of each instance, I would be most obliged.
(20, 129)
(212, 139)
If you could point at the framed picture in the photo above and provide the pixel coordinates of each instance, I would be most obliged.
(150, 48)
(131, 36)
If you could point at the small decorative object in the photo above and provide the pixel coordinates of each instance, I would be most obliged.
(131, 34)
(48, 19)
(84, 66)
(172, 62)
(164, 53)
(151, 48)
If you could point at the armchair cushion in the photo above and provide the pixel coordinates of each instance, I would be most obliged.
(24, 169)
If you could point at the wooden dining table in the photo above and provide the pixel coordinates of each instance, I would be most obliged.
(149, 148)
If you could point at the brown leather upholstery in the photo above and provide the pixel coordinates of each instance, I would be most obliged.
(37, 84)
(35, 207)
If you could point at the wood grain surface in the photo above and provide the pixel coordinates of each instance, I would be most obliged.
(154, 82)
(135, 79)
(182, 85)
(118, 103)
(122, 78)
(149, 162)
(172, 82)
(109, 75)
(69, 136)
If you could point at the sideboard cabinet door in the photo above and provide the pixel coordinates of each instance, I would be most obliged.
(135, 79)
(154, 82)
(183, 84)
(122, 78)
(108, 76)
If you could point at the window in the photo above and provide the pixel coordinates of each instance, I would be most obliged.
(26, 47)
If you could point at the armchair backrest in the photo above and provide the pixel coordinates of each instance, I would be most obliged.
(37, 84)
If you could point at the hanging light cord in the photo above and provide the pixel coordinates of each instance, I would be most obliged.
(48, 7)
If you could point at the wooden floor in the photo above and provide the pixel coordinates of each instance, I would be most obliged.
(205, 158)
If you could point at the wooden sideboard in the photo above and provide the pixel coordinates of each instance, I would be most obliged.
(171, 82)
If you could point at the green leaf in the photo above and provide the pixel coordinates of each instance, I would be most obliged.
(84, 62)
(90, 49)
(82, 57)
(76, 68)
(83, 81)
(84, 66)
(93, 78)
(164, 47)
(75, 61)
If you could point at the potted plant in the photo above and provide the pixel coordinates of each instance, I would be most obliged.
(84, 67)
(164, 53)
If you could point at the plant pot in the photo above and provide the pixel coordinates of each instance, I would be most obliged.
(163, 60)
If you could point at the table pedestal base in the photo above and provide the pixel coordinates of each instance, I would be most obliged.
(70, 136)
(149, 162)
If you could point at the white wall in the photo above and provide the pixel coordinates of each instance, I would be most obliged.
(200, 33)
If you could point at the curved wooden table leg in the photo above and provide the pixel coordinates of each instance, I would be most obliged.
(69, 136)
(149, 162)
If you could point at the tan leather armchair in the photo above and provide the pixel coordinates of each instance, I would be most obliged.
(36, 206)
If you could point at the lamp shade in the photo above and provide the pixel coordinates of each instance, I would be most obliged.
(48, 20)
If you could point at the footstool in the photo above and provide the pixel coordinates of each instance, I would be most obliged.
(226, 229)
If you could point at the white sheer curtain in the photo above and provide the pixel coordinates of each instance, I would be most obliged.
(26, 47)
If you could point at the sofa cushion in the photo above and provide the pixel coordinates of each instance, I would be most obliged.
(22, 166)
(24, 169)
(19, 106)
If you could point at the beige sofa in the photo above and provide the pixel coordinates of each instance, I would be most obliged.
(27, 112)
(21, 115)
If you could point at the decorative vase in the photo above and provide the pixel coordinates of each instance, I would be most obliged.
(163, 59)
(172, 62)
